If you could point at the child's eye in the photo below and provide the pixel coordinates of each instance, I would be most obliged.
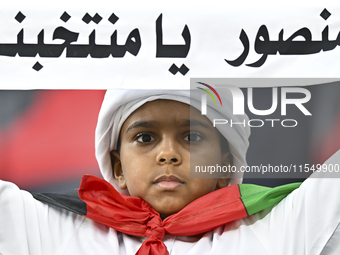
(193, 137)
(144, 138)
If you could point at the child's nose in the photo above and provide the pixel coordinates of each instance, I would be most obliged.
(169, 154)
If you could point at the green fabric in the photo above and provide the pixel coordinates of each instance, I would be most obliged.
(256, 198)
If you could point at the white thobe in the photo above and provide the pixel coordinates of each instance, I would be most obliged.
(305, 222)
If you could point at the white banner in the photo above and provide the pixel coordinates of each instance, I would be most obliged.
(116, 44)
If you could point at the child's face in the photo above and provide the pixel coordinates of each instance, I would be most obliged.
(157, 146)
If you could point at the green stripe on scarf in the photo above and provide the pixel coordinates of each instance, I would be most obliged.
(256, 198)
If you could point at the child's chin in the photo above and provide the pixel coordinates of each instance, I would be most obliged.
(164, 211)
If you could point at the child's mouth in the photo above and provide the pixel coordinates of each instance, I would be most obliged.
(168, 182)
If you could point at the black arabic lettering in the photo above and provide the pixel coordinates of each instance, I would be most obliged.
(132, 45)
(73, 50)
(171, 51)
(245, 41)
(261, 34)
(291, 46)
(44, 50)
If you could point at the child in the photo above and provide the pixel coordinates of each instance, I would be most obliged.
(146, 142)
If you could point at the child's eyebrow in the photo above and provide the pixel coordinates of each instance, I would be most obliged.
(183, 123)
(142, 123)
(196, 123)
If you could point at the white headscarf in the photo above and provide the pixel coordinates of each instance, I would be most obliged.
(119, 104)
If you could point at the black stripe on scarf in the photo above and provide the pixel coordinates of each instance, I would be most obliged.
(66, 200)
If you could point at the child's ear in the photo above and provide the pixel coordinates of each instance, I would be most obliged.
(226, 161)
(117, 170)
(226, 158)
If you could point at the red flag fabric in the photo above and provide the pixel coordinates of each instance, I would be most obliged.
(133, 216)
